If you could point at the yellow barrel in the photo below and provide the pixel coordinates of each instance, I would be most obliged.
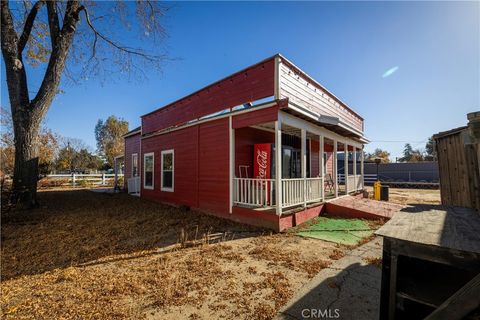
(377, 186)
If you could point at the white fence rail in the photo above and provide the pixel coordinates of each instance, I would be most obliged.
(73, 179)
(254, 192)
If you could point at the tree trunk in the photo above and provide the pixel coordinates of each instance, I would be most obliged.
(25, 174)
(27, 114)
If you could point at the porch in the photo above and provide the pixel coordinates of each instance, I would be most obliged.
(315, 165)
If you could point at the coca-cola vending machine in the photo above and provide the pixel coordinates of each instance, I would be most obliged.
(262, 162)
(263, 166)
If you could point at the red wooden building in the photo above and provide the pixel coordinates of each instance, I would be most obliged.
(215, 149)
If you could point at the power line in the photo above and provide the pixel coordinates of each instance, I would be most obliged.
(399, 141)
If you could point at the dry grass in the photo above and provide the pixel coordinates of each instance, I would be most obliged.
(88, 255)
(412, 196)
(374, 261)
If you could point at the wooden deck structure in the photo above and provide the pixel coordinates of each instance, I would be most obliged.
(431, 263)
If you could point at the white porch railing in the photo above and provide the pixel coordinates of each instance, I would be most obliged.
(261, 192)
(359, 182)
(354, 182)
(133, 185)
(314, 189)
(254, 192)
(292, 192)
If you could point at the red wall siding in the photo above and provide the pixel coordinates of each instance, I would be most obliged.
(132, 145)
(245, 138)
(329, 169)
(185, 145)
(314, 162)
(252, 84)
(201, 166)
(214, 166)
(255, 117)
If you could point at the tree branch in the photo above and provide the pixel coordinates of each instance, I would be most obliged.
(56, 64)
(53, 21)
(14, 69)
(112, 43)
(27, 29)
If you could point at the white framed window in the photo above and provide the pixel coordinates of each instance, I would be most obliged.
(135, 165)
(167, 170)
(148, 170)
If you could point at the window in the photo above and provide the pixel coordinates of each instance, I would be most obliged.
(148, 162)
(135, 165)
(167, 170)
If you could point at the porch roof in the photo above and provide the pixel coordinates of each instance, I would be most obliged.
(331, 123)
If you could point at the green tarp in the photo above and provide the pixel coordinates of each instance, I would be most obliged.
(344, 231)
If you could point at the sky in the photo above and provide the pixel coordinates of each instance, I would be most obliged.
(411, 69)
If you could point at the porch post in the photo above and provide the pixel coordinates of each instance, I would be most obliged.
(345, 147)
(231, 133)
(304, 165)
(321, 173)
(355, 183)
(361, 168)
(278, 166)
(335, 167)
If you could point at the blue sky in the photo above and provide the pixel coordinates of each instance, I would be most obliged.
(411, 69)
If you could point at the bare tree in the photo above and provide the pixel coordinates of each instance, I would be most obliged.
(74, 38)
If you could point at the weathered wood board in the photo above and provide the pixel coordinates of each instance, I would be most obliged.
(449, 227)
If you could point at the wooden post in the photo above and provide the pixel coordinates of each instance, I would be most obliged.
(321, 172)
(361, 168)
(355, 183)
(335, 167)
(115, 171)
(345, 173)
(304, 165)
(73, 179)
(103, 179)
(278, 166)
(231, 133)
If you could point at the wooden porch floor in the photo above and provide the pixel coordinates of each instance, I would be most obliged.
(358, 207)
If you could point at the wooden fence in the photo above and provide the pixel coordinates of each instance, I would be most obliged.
(100, 179)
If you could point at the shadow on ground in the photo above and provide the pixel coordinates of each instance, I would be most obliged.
(80, 227)
(350, 292)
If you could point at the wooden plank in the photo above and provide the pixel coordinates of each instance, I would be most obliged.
(299, 89)
(385, 284)
(454, 228)
(460, 304)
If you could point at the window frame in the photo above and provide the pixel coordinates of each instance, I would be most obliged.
(131, 173)
(145, 155)
(165, 152)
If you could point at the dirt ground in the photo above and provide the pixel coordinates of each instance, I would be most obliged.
(93, 255)
(411, 196)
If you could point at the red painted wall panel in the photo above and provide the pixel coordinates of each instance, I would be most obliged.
(245, 138)
(255, 117)
(329, 163)
(213, 187)
(132, 145)
(314, 163)
(185, 145)
(254, 83)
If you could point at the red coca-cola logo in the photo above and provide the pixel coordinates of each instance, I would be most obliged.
(262, 158)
